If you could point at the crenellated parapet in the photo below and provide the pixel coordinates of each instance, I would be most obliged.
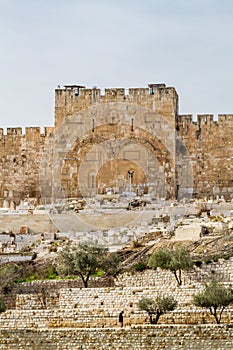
(225, 119)
(14, 131)
(185, 120)
(186, 124)
(72, 99)
(29, 133)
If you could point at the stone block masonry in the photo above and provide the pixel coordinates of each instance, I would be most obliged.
(52, 288)
(172, 156)
(201, 337)
(64, 304)
(78, 318)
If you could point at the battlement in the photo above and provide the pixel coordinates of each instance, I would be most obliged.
(225, 118)
(30, 132)
(14, 131)
(78, 90)
(205, 119)
(72, 99)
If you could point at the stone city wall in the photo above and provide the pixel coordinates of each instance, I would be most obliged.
(163, 100)
(209, 145)
(20, 162)
(187, 158)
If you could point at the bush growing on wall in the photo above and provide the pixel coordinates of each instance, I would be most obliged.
(2, 305)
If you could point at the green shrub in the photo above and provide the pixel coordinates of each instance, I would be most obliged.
(227, 257)
(198, 263)
(207, 261)
(2, 305)
(140, 266)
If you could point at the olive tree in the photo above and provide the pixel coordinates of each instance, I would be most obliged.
(85, 260)
(10, 273)
(173, 260)
(215, 297)
(7, 276)
(156, 308)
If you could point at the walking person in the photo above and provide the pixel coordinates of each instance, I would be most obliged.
(121, 319)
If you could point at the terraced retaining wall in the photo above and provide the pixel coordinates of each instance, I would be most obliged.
(205, 337)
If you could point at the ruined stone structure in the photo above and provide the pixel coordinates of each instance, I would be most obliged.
(118, 142)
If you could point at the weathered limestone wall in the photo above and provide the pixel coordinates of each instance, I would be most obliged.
(222, 270)
(142, 126)
(79, 318)
(163, 100)
(128, 288)
(20, 161)
(210, 149)
(95, 307)
(205, 337)
(52, 289)
(119, 136)
(86, 318)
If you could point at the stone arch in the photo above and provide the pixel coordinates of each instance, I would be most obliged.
(105, 124)
(109, 143)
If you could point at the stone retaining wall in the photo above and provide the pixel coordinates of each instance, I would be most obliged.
(61, 315)
(91, 307)
(205, 337)
(52, 289)
(158, 279)
(222, 270)
(84, 318)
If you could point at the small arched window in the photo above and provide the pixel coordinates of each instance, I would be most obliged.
(92, 179)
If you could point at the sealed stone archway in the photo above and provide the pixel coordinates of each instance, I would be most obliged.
(108, 153)
(121, 176)
(112, 134)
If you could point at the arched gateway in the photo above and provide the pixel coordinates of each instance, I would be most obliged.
(117, 148)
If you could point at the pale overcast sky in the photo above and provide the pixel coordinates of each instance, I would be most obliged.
(113, 43)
